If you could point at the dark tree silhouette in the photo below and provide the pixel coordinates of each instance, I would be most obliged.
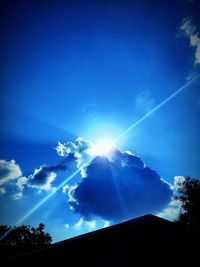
(23, 238)
(189, 196)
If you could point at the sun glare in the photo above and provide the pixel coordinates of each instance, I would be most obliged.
(103, 147)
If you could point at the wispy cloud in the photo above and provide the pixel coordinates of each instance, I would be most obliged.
(91, 224)
(66, 226)
(106, 224)
(191, 31)
(2, 191)
(78, 225)
(17, 195)
(144, 101)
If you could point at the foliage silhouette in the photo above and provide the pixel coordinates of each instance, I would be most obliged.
(23, 238)
(189, 196)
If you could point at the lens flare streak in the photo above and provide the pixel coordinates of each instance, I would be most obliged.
(32, 210)
(155, 108)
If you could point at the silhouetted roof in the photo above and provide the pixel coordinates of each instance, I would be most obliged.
(138, 242)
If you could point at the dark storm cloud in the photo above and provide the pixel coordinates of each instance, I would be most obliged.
(118, 187)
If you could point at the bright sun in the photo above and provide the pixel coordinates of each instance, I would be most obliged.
(103, 147)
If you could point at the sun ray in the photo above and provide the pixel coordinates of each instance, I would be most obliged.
(45, 199)
(156, 108)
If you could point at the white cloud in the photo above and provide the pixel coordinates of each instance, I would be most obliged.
(17, 196)
(9, 171)
(64, 149)
(98, 176)
(178, 181)
(188, 26)
(65, 188)
(21, 182)
(11, 175)
(80, 148)
(77, 226)
(66, 226)
(171, 211)
(2, 190)
(41, 179)
(81, 223)
(191, 31)
(91, 224)
(70, 190)
(106, 224)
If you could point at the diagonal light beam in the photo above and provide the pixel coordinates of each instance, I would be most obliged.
(45, 199)
(40, 203)
(21, 220)
(156, 108)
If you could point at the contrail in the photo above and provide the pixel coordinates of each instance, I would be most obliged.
(156, 108)
(38, 205)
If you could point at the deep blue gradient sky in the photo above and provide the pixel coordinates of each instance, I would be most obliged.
(91, 69)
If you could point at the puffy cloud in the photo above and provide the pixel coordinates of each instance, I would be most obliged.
(12, 179)
(79, 150)
(9, 171)
(64, 149)
(172, 211)
(117, 187)
(21, 183)
(178, 182)
(42, 178)
(191, 31)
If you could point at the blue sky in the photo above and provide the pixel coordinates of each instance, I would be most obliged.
(92, 69)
